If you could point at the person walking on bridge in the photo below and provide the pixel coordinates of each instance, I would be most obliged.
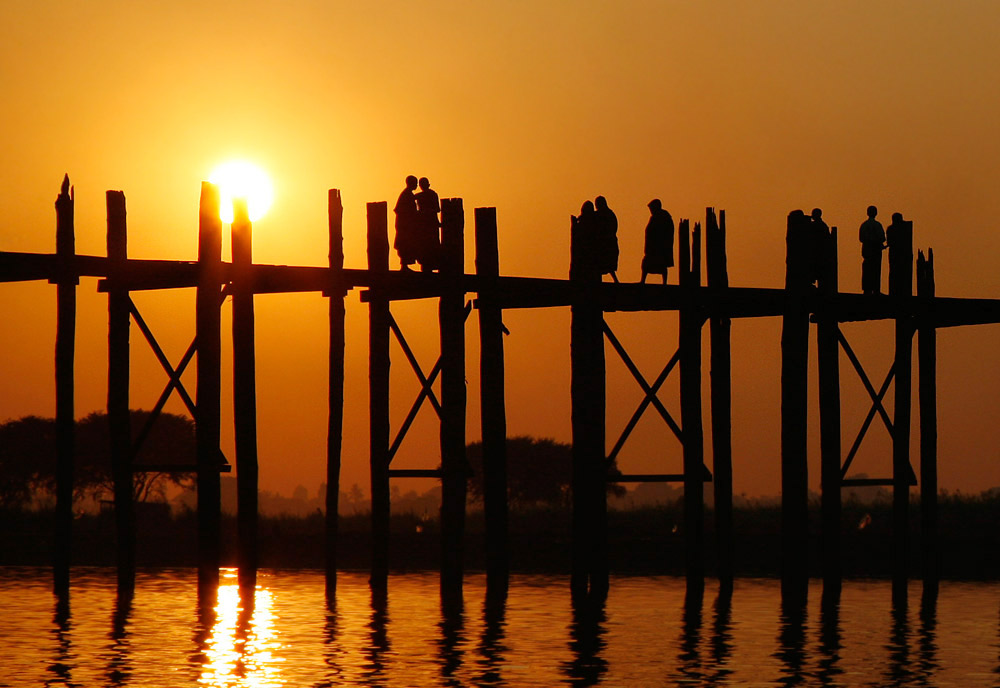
(872, 238)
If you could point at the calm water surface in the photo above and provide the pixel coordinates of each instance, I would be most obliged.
(645, 635)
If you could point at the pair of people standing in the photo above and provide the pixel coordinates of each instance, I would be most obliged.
(418, 237)
(599, 221)
(874, 240)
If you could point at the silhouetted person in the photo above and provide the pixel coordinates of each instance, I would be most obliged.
(406, 243)
(658, 249)
(899, 239)
(607, 229)
(586, 260)
(872, 238)
(819, 238)
(428, 226)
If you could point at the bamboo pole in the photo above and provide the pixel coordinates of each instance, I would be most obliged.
(691, 423)
(207, 427)
(720, 328)
(454, 467)
(244, 395)
(335, 424)
(66, 282)
(119, 321)
(494, 414)
(378, 390)
(828, 355)
(927, 395)
(901, 286)
(794, 402)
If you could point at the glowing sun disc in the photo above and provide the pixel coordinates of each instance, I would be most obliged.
(241, 179)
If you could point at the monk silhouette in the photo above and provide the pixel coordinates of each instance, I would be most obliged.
(607, 228)
(405, 243)
(872, 238)
(658, 249)
(428, 226)
(819, 237)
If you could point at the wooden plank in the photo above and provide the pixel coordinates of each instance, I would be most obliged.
(927, 398)
(335, 388)
(415, 473)
(828, 373)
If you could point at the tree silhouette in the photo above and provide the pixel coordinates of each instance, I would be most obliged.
(539, 472)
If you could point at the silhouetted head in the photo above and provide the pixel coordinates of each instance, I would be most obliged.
(411, 182)
(655, 205)
(601, 203)
(897, 217)
(588, 207)
(817, 213)
(425, 183)
(872, 211)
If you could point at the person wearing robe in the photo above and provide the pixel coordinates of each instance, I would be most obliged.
(607, 227)
(819, 242)
(428, 226)
(658, 248)
(405, 242)
(585, 262)
(872, 238)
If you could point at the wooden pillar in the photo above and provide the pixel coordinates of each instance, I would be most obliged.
(454, 467)
(691, 424)
(492, 409)
(828, 355)
(66, 281)
(794, 403)
(378, 391)
(244, 394)
(335, 423)
(721, 392)
(207, 422)
(119, 427)
(588, 579)
(927, 395)
(899, 236)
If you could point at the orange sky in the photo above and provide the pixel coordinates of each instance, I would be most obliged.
(757, 108)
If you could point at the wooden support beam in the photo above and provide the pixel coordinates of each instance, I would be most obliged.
(208, 394)
(720, 328)
(378, 392)
(927, 396)
(244, 395)
(66, 282)
(492, 407)
(899, 236)
(119, 426)
(828, 372)
(794, 404)
(415, 473)
(588, 579)
(335, 421)
(454, 467)
(691, 320)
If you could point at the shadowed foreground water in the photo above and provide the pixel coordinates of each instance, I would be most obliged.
(644, 636)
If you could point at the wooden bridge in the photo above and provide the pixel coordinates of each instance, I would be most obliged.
(809, 295)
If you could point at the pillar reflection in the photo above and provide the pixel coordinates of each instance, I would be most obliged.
(374, 669)
(62, 627)
(451, 652)
(491, 644)
(119, 670)
(586, 632)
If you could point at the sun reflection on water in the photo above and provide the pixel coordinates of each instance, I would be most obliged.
(241, 650)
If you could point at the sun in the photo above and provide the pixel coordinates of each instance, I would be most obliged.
(242, 179)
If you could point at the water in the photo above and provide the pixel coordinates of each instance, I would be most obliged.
(644, 637)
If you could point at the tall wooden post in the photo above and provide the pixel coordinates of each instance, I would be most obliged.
(378, 390)
(721, 391)
(335, 423)
(66, 281)
(207, 422)
(899, 236)
(244, 394)
(454, 467)
(828, 355)
(587, 388)
(691, 424)
(491, 392)
(794, 402)
(927, 395)
(119, 320)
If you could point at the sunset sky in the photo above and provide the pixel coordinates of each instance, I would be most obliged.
(757, 108)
